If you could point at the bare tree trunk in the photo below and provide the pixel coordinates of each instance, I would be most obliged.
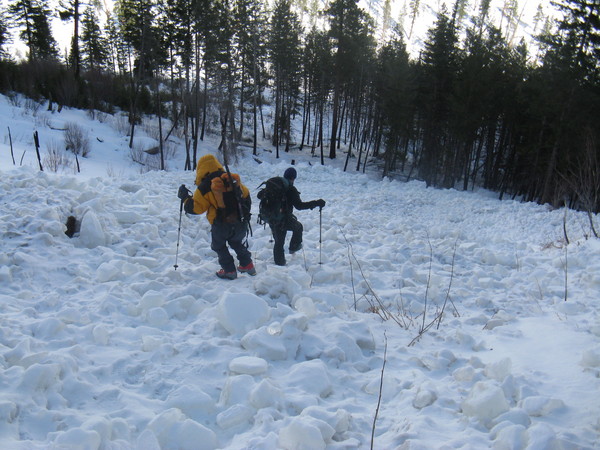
(334, 120)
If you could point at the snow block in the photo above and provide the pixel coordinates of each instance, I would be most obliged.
(332, 301)
(499, 370)
(591, 357)
(192, 401)
(485, 401)
(152, 299)
(173, 430)
(108, 271)
(5, 275)
(265, 395)
(78, 438)
(310, 376)
(300, 434)
(234, 415)
(41, 377)
(157, 317)
(424, 397)
(306, 306)
(538, 406)
(236, 390)
(265, 345)
(508, 435)
(91, 234)
(240, 313)
(249, 365)
(338, 420)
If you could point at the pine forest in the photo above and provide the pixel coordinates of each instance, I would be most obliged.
(474, 108)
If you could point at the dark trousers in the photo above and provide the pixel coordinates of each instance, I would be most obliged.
(279, 232)
(231, 234)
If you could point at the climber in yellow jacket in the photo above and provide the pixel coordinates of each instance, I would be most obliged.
(226, 210)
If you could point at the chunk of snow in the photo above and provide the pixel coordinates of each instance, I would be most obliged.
(234, 415)
(301, 434)
(248, 365)
(538, 405)
(310, 377)
(266, 394)
(191, 400)
(240, 313)
(498, 370)
(591, 357)
(91, 233)
(485, 401)
(172, 426)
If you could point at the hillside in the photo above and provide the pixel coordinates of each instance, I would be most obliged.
(426, 318)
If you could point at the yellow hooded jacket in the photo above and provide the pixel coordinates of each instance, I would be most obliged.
(208, 196)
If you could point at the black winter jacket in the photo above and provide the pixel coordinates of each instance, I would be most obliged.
(294, 201)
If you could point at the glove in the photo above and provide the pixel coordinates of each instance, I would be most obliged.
(320, 203)
(183, 193)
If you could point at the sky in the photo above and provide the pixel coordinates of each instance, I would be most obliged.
(412, 318)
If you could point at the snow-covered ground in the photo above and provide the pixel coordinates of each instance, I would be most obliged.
(104, 345)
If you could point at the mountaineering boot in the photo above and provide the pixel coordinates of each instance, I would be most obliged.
(227, 275)
(249, 269)
(295, 249)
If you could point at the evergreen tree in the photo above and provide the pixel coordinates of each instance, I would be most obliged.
(459, 12)
(117, 48)
(387, 20)
(69, 9)
(482, 18)
(414, 6)
(3, 34)
(137, 26)
(93, 45)
(251, 24)
(394, 88)
(32, 17)
(222, 68)
(581, 23)
(317, 61)
(285, 57)
(539, 17)
(350, 31)
(438, 74)
(568, 101)
(137, 23)
(510, 13)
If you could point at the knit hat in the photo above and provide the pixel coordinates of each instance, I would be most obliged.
(290, 173)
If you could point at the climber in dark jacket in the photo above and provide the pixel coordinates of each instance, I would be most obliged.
(290, 222)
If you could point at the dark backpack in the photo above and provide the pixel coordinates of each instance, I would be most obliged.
(272, 208)
(236, 207)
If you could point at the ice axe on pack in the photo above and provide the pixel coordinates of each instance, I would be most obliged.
(183, 193)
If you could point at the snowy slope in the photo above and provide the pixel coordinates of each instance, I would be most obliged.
(104, 345)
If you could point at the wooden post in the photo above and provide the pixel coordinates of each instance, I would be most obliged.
(37, 149)
(11, 146)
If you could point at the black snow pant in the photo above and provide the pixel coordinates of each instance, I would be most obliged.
(279, 232)
(233, 234)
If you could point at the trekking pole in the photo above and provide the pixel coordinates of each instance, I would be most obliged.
(178, 234)
(320, 227)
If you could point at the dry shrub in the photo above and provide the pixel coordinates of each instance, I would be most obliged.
(76, 140)
(121, 124)
(56, 159)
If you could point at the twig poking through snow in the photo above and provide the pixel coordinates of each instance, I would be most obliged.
(380, 390)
